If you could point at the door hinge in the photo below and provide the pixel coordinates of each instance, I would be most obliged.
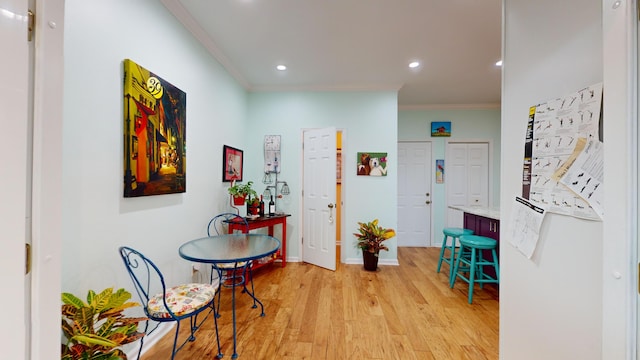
(27, 262)
(31, 27)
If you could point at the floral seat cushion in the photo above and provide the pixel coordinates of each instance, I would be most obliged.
(182, 299)
(240, 264)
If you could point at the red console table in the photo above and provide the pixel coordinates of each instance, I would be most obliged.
(268, 221)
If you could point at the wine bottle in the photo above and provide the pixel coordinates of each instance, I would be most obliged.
(261, 208)
(272, 207)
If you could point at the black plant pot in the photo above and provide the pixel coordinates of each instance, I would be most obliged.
(370, 260)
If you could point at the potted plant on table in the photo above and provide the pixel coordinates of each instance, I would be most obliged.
(240, 192)
(95, 330)
(370, 238)
(253, 204)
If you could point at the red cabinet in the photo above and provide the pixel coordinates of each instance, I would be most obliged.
(268, 222)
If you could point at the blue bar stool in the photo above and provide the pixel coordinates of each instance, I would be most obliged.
(454, 234)
(471, 261)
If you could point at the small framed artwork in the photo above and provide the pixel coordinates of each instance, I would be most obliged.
(439, 171)
(372, 164)
(231, 164)
(440, 128)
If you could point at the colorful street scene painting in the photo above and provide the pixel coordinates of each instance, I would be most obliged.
(154, 134)
(372, 163)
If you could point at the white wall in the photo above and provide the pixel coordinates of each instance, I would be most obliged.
(369, 122)
(551, 305)
(466, 124)
(96, 219)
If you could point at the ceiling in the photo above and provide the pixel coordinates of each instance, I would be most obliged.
(356, 45)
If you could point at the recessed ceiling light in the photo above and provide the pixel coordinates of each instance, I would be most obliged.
(499, 63)
(281, 67)
(414, 64)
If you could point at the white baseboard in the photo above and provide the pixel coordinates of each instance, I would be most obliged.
(358, 261)
(150, 340)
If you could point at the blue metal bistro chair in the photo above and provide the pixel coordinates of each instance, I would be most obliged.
(230, 273)
(164, 304)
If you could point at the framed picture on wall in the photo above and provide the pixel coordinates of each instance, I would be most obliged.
(439, 171)
(440, 128)
(372, 164)
(154, 129)
(232, 159)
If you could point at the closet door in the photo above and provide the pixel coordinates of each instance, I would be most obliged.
(467, 174)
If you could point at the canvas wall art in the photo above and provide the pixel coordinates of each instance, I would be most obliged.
(154, 134)
(372, 164)
(441, 128)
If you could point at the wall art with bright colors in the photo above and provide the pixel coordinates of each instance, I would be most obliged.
(154, 134)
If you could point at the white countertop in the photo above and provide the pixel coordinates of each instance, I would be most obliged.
(491, 213)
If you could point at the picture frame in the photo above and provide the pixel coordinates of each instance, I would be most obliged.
(440, 128)
(371, 164)
(439, 171)
(232, 164)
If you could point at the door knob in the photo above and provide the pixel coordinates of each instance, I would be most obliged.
(330, 206)
(427, 202)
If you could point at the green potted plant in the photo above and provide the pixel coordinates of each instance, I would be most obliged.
(95, 330)
(370, 238)
(240, 192)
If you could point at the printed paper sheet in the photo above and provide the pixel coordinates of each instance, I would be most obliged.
(553, 131)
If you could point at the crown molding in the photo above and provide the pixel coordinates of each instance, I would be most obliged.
(183, 16)
(449, 107)
(336, 88)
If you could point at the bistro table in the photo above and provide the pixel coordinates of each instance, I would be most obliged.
(237, 249)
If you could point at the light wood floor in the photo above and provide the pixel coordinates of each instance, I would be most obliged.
(398, 312)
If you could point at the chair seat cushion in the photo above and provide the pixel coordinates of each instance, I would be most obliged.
(240, 264)
(182, 299)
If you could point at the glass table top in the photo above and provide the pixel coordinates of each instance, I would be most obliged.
(229, 248)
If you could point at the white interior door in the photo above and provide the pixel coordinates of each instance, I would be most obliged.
(414, 194)
(319, 199)
(456, 183)
(478, 174)
(467, 173)
(14, 102)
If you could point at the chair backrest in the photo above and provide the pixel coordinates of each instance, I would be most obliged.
(219, 223)
(147, 278)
